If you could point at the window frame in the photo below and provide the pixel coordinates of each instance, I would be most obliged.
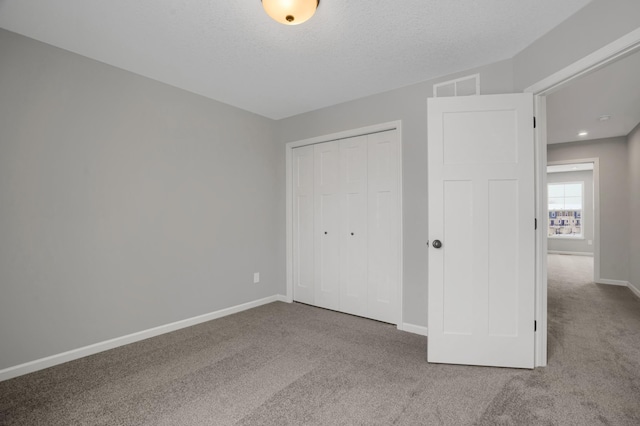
(567, 236)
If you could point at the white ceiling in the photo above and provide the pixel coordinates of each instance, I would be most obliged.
(233, 52)
(613, 90)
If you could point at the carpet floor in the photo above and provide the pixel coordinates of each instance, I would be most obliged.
(282, 364)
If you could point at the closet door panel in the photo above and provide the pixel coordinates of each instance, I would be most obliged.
(383, 225)
(353, 261)
(327, 224)
(303, 225)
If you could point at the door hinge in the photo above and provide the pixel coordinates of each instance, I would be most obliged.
(535, 326)
(534, 122)
(535, 224)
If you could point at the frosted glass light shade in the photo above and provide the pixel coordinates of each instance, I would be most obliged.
(290, 12)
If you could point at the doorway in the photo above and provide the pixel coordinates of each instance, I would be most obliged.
(599, 59)
(573, 210)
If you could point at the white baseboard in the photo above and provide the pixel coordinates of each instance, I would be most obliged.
(50, 361)
(415, 329)
(634, 290)
(613, 282)
(572, 253)
(627, 284)
(282, 298)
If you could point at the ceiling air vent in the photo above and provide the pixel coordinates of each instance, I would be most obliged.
(465, 86)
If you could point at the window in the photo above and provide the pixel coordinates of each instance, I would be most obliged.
(565, 210)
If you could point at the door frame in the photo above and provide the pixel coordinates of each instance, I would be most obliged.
(602, 57)
(361, 131)
(596, 209)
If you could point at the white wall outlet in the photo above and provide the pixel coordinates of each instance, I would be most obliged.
(590, 242)
(256, 277)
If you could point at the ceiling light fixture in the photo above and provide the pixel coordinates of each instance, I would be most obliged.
(290, 12)
(604, 117)
(583, 133)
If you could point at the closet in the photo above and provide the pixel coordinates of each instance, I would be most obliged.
(346, 225)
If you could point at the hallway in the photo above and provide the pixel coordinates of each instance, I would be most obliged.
(594, 334)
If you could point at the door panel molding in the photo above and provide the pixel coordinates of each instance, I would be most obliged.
(481, 207)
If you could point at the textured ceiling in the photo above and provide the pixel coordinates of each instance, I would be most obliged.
(233, 52)
(612, 90)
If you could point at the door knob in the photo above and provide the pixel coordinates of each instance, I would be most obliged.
(437, 244)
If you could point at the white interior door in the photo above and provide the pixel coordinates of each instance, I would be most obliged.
(353, 261)
(384, 226)
(327, 224)
(303, 231)
(481, 209)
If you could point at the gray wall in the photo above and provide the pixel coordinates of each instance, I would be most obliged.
(125, 204)
(577, 245)
(408, 104)
(633, 142)
(614, 198)
(594, 26)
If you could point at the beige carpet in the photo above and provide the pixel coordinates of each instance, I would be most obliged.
(294, 364)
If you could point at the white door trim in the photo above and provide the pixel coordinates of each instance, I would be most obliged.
(376, 128)
(610, 53)
(602, 57)
(596, 209)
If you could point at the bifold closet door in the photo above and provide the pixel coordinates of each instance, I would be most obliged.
(353, 215)
(384, 227)
(346, 226)
(327, 227)
(303, 227)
